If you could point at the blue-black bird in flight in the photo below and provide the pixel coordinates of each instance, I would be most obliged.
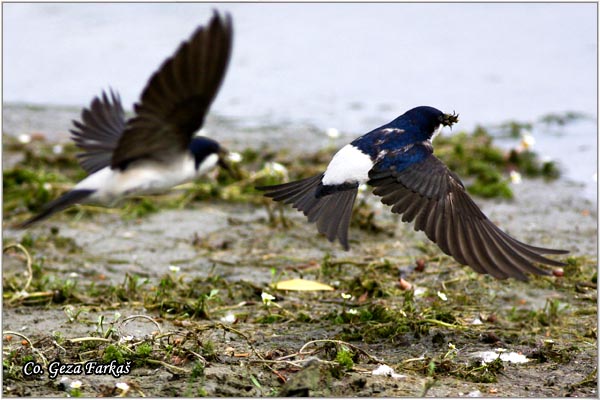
(397, 160)
(157, 148)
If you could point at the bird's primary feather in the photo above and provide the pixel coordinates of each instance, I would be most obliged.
(99, 131)
(435, 199)
(177, 97)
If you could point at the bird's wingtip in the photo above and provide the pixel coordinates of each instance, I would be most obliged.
(218, 16)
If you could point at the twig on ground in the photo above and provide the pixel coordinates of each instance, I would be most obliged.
(23, 292)
(141, 316)
(340, 342)
(178, 370)
(237, 332)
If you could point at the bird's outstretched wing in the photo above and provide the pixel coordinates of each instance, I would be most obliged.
(435, 198)
(99, 131)
(177, 97)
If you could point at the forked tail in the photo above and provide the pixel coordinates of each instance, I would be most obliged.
(64, 201)
(331, 212)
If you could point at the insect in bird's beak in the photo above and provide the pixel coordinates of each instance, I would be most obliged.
(449, 119)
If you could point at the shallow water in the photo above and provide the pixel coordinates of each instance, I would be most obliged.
(350, 66)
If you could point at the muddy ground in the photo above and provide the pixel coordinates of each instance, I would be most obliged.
(178, 293)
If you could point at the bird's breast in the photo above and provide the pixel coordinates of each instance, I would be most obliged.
(142, 177)
(436, 132)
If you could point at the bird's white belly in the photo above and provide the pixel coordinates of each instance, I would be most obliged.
(146, 177)
(348, 165)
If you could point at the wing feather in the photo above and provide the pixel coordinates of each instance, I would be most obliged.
(99, 131)
(436, 200)
(177, 97)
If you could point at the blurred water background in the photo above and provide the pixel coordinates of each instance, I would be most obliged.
(348, 66)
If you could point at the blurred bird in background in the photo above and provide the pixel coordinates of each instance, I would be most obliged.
(156, 149)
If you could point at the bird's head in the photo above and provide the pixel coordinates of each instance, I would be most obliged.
(428, 120)
(205, 149)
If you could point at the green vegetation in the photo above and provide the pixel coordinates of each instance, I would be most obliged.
(374, 310)
(344, 357)
(475, 158)
(204, 329)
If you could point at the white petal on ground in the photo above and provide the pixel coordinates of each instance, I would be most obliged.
(387, 371)
(234, 157)
(511, 356)
(24, 138)
(123, 386)
(275, 169)
(229, 318)
(267, 298)
(333, 133)
(515, 177)
(75, 384)
(527, 141)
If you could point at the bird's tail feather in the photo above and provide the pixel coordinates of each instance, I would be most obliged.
(64, 201)
(331, 212)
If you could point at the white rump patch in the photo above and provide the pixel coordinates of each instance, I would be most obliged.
(347, 166)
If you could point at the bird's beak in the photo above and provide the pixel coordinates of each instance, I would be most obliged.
(224, 163)
(449, 119)
(223, 153)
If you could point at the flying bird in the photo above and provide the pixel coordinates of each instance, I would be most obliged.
(157, 148)
(397, 160)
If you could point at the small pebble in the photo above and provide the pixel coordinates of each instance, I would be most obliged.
(492, 318)
(558, 272)
(404, 285)
(38, 137)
